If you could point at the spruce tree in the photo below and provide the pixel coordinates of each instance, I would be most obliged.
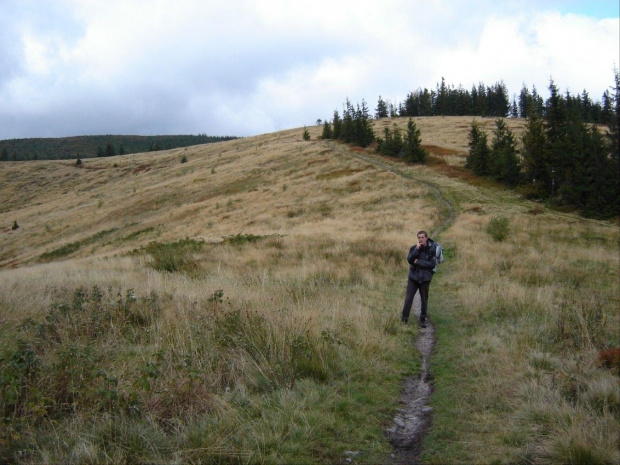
(535, 155)
(413, 150)
(504, 163)
(337, 126)
(478, 157)
(382, 109)
(327, 131)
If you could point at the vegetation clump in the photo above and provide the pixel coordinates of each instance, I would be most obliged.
(175, 256)
(498, 228)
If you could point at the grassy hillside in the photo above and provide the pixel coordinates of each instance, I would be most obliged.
(243, 307)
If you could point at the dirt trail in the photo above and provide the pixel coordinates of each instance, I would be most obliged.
(413, 419)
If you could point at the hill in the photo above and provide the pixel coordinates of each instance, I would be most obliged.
(243, 307)
(64, 148)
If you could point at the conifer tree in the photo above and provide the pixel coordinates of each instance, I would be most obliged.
(327, 131)
(337, 126)
(478, 157)
(382, 109)
(504, 164)
(413, 150)
(536, 164)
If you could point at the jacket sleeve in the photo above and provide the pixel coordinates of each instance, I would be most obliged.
(428, 264)
(414, 253)
(426, 261)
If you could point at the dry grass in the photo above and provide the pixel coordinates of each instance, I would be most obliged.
(283, 337)
(276, 335)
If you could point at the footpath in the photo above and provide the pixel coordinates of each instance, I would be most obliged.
(413, 419)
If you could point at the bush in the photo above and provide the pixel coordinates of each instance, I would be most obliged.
(173, 256)
(498, 228)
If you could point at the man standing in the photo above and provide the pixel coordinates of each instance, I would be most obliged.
(422, 261)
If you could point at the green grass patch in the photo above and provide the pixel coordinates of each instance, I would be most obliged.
(175, 256)
(73, 247)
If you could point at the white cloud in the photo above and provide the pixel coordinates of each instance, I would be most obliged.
(241, 67)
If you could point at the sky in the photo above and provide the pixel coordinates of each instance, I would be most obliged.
(248, 67)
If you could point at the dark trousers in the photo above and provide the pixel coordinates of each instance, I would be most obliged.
(412, 288)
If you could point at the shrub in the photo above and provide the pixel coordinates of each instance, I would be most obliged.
(173, 256)
(498, 228)
(240, 239)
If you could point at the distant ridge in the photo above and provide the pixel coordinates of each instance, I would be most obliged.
(64, 148)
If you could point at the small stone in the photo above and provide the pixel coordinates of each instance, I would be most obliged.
(349, 460)
(352, 453)
(427, 409)
(391, 430)
(399, 422)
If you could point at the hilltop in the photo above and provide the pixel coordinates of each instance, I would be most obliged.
(239, 302)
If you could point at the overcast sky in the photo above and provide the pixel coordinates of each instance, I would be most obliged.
(246, 67)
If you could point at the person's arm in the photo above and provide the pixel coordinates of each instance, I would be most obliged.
(414, 254)
(428, 264)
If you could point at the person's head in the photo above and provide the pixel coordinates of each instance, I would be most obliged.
(422, 237)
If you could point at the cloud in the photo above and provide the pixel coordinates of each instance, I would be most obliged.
(242, 67)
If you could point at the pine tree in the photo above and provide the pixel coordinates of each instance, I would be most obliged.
(535, 155)
(560, 150)
(327, 131)
(504, 163)
(413, 150)
(306, 134)
(525, 102)
(337, 126)
(382, 109)
(478, 157)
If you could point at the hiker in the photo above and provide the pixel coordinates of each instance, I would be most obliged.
(422, 260)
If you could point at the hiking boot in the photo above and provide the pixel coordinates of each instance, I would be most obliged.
(422, 324)
(403, 321)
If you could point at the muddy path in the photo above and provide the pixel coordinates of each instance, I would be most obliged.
(413, 418)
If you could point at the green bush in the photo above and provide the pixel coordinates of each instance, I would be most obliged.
(498, 228)
(174, 256)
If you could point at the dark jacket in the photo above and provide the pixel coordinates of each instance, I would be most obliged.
(422, 270)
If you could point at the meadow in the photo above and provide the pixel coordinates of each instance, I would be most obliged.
(243, 307)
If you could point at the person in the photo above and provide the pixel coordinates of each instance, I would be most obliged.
(422, 261)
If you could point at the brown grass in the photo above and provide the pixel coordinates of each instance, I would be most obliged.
(520, 323)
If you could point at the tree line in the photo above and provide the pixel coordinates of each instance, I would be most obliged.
(491, 101)
(96, 146)
(355, 127)
(563, 158)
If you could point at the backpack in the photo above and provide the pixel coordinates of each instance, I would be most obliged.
(438, 253)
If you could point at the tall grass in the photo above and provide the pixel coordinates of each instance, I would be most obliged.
(533, 312)
(260, 357)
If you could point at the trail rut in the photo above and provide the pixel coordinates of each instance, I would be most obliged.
(413, 418)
